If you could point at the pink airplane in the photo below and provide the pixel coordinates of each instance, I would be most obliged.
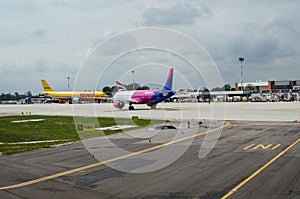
(149, 97)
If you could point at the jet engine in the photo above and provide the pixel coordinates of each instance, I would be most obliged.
(119, 104)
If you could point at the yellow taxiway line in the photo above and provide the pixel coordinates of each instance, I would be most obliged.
(232, 191)
(110, 160)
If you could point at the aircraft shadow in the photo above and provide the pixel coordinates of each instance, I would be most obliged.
(147, 109)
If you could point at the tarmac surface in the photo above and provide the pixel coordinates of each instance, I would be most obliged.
(256, 156)
(247, 111)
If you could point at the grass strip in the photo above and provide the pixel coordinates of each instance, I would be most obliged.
(60, 128)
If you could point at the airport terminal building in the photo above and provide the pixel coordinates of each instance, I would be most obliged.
(272, 90)
(271, 85)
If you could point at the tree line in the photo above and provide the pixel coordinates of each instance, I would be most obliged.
(129, 87)
(227, 87)
(15, 96)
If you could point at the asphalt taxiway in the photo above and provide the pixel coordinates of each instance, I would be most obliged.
(249, 160)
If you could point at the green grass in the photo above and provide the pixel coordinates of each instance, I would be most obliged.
(60, 128)
(16, 148)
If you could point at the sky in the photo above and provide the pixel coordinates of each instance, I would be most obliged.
(54, 39)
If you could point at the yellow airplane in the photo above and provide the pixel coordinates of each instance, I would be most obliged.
(69, 95)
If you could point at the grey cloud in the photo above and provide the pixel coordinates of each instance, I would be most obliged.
(10, 41)
(266, 35)
(174, 15)
(39, 33)
(259, 48)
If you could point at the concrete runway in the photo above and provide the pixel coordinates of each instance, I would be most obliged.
(275, 111)
(250, 159)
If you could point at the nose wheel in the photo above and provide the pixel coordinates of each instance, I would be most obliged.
(131, 108)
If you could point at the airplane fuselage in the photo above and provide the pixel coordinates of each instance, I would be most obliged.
(78, 94)
(149, 97)
(135, 97)
(69, 95)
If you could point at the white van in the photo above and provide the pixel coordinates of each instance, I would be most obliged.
(296, 88)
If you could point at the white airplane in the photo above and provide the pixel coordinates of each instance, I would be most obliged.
(149, 97)
(185, 96)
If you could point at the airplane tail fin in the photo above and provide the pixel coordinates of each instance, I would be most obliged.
(120, 86)
(169, 82)
(46, 86)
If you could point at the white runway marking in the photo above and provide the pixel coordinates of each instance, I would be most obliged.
(117, 127)
(33, 142)
(32, 120)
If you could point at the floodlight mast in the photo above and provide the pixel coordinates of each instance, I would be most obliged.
(133, 87)
(68, 78)
(241, 59)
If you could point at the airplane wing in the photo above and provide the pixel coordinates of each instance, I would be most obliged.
(134, 101)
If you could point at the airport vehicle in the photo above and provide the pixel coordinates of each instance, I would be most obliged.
(296, 88)
(162, 127)
(71, 96)
(148, 97)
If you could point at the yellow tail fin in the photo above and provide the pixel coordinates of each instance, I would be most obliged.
(46, 86)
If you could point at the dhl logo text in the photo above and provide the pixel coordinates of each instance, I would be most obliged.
(87, 94)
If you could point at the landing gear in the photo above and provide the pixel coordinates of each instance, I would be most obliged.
(131, 108)
(153, 106)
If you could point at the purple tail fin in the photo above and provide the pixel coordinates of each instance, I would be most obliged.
(169, 82)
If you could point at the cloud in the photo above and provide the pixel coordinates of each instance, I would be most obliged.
(34, 35)
(11, 40)
(258, 48)
(39, 34)
(177, 14)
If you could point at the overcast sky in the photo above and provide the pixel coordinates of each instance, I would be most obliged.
(51, 38)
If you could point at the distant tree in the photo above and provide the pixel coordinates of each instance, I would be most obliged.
(232, 89)
(143, 88)
(17, 96)
(107, 89)
(29, 94)
(227, 87)
(217, 89)
(250, 87)
(8, 96)
(113, 89)
(131, 87)
(205, 89)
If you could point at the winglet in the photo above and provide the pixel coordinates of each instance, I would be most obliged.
(169, 82)
(46, 86)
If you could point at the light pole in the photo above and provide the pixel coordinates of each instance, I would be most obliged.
(133, 87)
(68, 83)
(241, 59)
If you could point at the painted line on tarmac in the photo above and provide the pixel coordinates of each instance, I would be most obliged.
(38, 180)
(287, 123)
(33, 142)
(237, 187)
